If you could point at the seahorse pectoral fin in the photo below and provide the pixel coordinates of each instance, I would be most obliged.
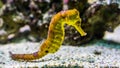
(80, 30)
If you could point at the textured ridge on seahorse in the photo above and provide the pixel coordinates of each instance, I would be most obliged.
(55, 34)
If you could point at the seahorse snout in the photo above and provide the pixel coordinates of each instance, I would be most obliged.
(80, 30)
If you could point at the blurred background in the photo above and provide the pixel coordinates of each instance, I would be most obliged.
(24, 25)
(28, 20)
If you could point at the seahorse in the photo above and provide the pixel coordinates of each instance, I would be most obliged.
(55, 35)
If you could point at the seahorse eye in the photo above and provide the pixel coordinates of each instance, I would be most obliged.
(78, 23)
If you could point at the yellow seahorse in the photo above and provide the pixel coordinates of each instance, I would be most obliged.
(55, 34)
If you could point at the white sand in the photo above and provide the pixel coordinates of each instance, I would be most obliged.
(66, 56)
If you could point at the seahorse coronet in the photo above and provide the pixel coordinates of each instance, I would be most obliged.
(55, 35)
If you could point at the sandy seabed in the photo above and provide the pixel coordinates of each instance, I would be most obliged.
(67, 56)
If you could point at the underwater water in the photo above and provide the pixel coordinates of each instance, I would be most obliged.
(24, 26)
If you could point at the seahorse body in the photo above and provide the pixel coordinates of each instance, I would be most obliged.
(55, 34)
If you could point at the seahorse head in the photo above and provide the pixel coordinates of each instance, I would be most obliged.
(72, 16)
(73, 19)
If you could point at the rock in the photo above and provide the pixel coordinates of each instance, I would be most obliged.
(115, 36)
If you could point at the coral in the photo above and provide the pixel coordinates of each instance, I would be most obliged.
(18, 13)
(101, 18)
(37, 15)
